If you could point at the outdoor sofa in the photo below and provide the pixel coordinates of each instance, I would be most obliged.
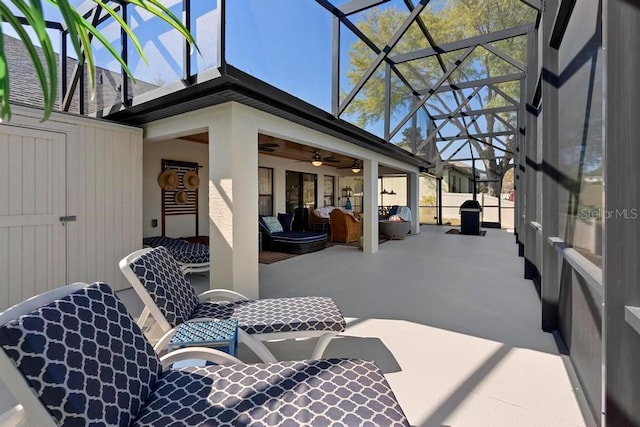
(284, 239)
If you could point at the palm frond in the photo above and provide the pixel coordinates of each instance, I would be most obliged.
(46, 82)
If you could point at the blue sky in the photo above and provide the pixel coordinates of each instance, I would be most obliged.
(286, 43)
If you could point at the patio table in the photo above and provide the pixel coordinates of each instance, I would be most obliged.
(222, 334)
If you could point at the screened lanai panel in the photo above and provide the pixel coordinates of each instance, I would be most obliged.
(71, 63)
(355, 58)
(381, 22)
(511, 89)
(487, 63)
(467, 69)
(421, 73)
(464, 19)
(402, 99)
(413, 39)
(367, 109)
(412, 136)
(515, 47)
(205, 26)
(580, 63)
(406, 136)
(286, 43)
(107, 69)
(163, 47)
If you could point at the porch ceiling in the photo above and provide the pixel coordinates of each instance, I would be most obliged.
(273, 146)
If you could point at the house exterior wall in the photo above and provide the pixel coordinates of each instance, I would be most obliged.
(399, 185)
(180, 225)
(281, 165)
(102, 187)
(461, 184)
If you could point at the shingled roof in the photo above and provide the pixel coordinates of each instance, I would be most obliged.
(25, 85)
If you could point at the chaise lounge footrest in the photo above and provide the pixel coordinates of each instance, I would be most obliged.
(316, 392)
(265, 316)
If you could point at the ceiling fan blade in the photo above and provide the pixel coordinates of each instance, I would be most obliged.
(267, 147)
(330, 159)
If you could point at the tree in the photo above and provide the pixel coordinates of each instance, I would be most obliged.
(80, 33)
(458, 19)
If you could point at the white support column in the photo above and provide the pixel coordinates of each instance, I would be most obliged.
(370, 207)
(413, 200)
(320, 191)
(279, 190)
(233, 207)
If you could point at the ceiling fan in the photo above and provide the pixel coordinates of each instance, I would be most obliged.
(318, 160)
(330, 159)
(268, 147)
(356, 167)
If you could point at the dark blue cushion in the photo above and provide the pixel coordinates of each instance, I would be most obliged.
(299, 236)
(84, 357)
(286, 219)
(160, 274)
(393, 210)
(184, 252)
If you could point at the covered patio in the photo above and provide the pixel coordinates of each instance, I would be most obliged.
(448, 318)
(529, 103)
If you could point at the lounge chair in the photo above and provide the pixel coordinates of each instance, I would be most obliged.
(192, 257)
(291, 241)
(74, 356)
(171, 300)
(344, 227)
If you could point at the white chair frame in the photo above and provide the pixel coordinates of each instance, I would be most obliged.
(195, 268)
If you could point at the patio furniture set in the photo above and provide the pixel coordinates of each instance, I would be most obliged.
(326, 224)
(74, 356)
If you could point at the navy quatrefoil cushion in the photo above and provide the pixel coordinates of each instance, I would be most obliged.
(85, 358)
(160, 274)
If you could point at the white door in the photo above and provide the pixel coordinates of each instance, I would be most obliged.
(32, 202)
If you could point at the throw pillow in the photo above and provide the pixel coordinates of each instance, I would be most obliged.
(272, 224)
(286, 219)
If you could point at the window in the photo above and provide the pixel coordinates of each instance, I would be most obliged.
(265, 191)
(329, 185)
(301, 190)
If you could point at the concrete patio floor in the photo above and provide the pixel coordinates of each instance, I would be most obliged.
(448, 318)
(451, 322)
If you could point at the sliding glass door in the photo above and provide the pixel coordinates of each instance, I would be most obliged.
(301, 196)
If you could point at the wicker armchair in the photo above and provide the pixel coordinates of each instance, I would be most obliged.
(344, 227)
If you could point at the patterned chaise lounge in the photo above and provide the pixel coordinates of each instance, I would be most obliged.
(192, 257)
(171, 300)
(74, 356)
